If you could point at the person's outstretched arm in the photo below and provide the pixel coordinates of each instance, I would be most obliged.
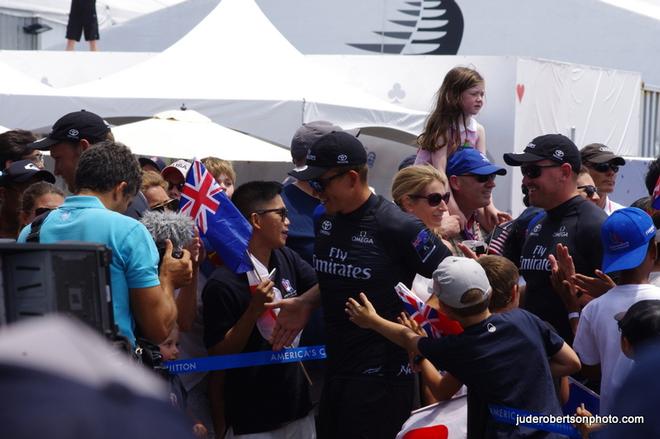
(365, 316)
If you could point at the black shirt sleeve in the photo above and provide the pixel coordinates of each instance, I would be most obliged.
(224, 302)
(418, 247)
(551, 340)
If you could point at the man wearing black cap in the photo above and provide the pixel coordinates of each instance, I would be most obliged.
(72, 134)
(364, 243)
(13, 182)
(603, 166)
(298, 195)
(549, 165)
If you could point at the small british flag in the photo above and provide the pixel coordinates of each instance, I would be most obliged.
(199, 196)
(432, 322)
(224, 227)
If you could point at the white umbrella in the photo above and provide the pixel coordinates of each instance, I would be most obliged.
(188, 134)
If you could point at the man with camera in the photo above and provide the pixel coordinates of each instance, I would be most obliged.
(107, 178)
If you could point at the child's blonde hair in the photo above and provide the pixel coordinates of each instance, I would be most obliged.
(218, 167)
(443, 124)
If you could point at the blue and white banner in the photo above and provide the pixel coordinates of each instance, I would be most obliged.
(248, 359)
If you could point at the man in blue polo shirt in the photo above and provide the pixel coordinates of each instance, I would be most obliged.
(107, 178)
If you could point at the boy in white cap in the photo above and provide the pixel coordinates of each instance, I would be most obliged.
(508, 359)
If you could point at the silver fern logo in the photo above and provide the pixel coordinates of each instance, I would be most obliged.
(425, 27)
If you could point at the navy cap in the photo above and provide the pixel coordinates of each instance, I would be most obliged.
(553, 147)
(471, 161)
(625, 235)
(74, 127)
(24, 170)
(334, 149)
(156, 162)
(307, 135)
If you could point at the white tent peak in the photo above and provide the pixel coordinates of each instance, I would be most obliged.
(189, 116)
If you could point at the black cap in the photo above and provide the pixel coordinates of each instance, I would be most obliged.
(641, 321)
(74, 127)
(599, 153)
(24, 170)
(553, 147)
(334, 149)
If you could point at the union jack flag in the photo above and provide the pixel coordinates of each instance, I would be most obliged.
(198, 199)
(656, 195)
(432, 322)
(218, 220)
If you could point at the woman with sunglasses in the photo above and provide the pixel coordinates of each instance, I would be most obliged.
(603, 166)
(422, 191)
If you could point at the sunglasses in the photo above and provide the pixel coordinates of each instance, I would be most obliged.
(179, 186)
(283, 212)
(604, 167)
(535, 171)
(588, 189)
(320, 184)
(41, 211)
(482, 178)
(171, 205)
(434, 199)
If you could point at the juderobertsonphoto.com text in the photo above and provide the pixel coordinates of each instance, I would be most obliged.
(574, 419)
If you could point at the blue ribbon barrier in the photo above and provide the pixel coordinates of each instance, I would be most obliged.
(507, 415)
(261, 358)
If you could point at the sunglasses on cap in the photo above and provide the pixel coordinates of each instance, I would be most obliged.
(320, 184)
(482, 178)
(588, 189)
(434, 199)
(604, 167)
(171, 205)
(535, 171)
(283, 212)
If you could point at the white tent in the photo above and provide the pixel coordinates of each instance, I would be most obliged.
(189, 134)
(236, 68)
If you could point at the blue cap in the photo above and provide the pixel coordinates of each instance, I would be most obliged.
(471, 161)
(625, 235)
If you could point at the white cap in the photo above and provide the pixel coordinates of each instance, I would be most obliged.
(454, 277)
(180, 166)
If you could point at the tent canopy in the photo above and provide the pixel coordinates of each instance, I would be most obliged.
(189, 134)
(249, 78)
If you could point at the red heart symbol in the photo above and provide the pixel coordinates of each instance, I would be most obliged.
(520, 91)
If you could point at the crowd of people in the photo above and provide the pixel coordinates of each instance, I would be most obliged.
(566, 289)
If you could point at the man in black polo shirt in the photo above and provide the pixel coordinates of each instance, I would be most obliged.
(259, 399)
(364, 243)
(549, 165)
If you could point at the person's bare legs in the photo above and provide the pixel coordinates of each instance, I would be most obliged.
(70, 45)
(92, 46)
